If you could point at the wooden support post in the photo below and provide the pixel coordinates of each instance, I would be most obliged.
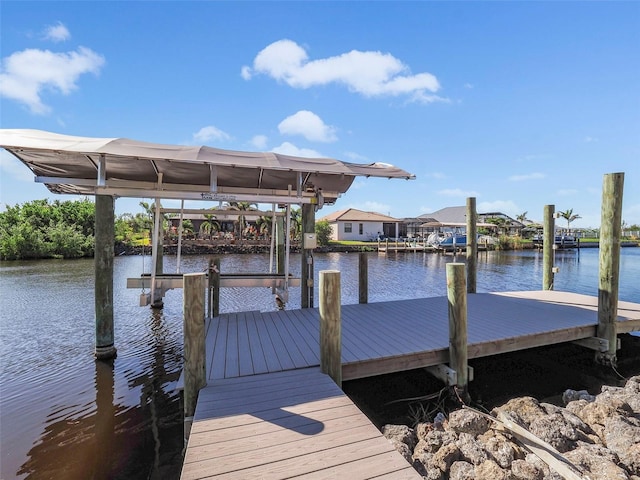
(306, 270)
(280, 257)
(472, 245)
(363, 278)
(609, 268)
(457, 300)
(548, 246)
(330, 325)
(214, 286)
(194, 346)
(103, 264)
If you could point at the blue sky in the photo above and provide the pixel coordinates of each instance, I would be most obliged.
(519, 104)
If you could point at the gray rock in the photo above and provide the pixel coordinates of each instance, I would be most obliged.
(598, 462)
(400, 433)
(467, 421)
(471, 450)
(622, 436)
(501, 450)
(434, 440)
(573, 395)
(555, 430)
(461, 471)
(523, 470)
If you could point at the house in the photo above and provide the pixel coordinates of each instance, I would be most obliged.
(456, 217)
(352, 224)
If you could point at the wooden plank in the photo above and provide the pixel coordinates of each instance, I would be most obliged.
(290, 343)
(268, 348)
(219, 358)
(257, 353)
(388, 465)
(232, 366)
(307, 346)
(244, 346)
(279, 345)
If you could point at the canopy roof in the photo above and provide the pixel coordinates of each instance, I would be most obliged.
(129, 168)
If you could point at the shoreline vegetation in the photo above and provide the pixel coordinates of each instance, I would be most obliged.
(39, 230)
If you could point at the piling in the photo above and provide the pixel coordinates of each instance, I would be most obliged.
(330, 325)
(194, 345)
(363, 278)
(306, 270)
(457, 301)
(213, 290)
(548, 246)
(103, 262)
(472, 244)
(609, 267)
(280, 250)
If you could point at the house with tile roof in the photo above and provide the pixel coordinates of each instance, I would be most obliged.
(353, 224)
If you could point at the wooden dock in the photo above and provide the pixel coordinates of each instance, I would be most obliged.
(250, 353)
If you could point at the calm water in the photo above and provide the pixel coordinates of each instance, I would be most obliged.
(65, 416)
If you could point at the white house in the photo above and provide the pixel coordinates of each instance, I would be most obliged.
(352, 224)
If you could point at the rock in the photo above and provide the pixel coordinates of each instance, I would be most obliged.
(467, 421)
(538, 463)
(523, 470)
(461, 470)
(555, 430)
(401, 433)
(598, 462)
(445, 456)
(501, 450)
(573, 395)
(490, 470)
(471, 450)
(433, 440)
(622, 437)
(523, 410)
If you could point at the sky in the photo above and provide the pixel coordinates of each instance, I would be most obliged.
(518, 104)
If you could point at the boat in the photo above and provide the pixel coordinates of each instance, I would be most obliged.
(449, 241)
(561, 241)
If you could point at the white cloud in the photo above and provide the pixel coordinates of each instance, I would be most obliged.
(309, 125)
(590, 139)
(469, 86)
(356, 157)
(209, 133)
(527, 176)
(25, 74)
(435, 175)
(566, 192)
(290, 149)
(502, 206)
(370, 73)
(457, 192)
(259, 142)
(57, 33)
(14, 167)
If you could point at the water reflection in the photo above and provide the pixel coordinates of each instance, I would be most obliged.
(64, 416)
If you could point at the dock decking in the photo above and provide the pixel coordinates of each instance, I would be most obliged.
(293, 424)
(269, 413)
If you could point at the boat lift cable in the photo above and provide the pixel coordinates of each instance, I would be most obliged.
(180, 237)
(273, 237)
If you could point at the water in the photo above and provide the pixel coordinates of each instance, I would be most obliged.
(65, 416)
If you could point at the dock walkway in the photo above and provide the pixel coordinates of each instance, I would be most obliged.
(262, 370)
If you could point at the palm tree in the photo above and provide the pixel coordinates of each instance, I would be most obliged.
(240, 223)
(264, 225)
(569, 216)
(522, 217)
(296, 223)
(210, 225)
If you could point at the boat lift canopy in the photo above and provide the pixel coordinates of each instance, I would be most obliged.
(120, 167)
(129, 168)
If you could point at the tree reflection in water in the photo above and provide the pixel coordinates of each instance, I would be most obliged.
(110, 440)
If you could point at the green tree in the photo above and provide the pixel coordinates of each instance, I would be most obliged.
(522, 217)
(263, 223)
(210, 225)
(323, 233)
(296, 224)
(569, 216)
(240, 223)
